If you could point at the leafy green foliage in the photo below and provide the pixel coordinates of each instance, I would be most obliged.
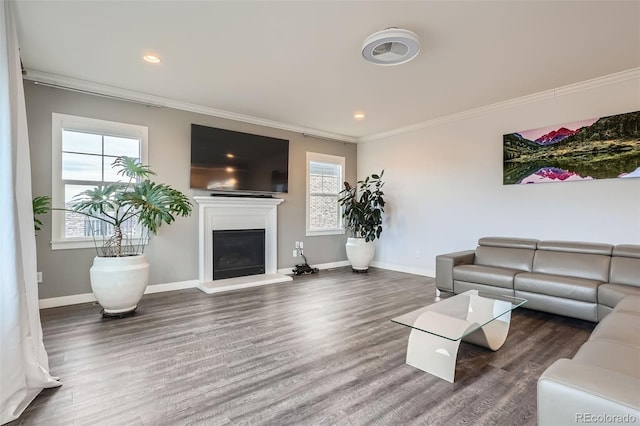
(363, 206)
(150, 203)
(41, 205)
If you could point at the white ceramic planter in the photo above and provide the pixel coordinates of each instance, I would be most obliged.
(360, 253)
(119, 282)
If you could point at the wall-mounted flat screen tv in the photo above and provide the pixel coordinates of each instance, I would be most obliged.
(227, 161)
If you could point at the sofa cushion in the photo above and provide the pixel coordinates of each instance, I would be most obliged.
(620, 327)
(559, 305)
(630, 304)
(501, 257)
(625, 270)
(627, 250)
(576, 247)
(522, 243)
(568, 389)
(611, 355)
(499, 277)
(580, 265)
(612, 293)
(462, 286)
(558, 286)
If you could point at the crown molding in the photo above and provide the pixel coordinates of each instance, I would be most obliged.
(113, 92)
(103, 90)
(593, 83)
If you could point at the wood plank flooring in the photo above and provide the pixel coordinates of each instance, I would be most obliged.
(320, 350)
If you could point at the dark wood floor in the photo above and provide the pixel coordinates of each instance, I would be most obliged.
(318, 351)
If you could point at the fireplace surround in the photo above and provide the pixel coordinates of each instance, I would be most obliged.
(223, 213)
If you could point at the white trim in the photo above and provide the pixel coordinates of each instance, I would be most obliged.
(593, 83)
(124, 94)
(535, 97)
(402, 268)
(84, 243)
(321, 266)
(139, 97)
(329, 159)
(325, 232)
(72, 244)
(74, 299)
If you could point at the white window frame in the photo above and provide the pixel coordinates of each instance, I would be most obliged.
(322, 158)
(89, 125)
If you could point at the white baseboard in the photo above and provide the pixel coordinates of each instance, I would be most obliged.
(330, 265)
(74, 299)
(402, 268)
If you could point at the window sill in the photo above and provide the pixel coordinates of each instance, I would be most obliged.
(83, 244)
(325, 232)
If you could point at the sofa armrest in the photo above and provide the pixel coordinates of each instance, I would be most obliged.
(445, 264)
(571, 392)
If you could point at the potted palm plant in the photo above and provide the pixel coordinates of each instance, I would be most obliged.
(120, 271)
(363, 206)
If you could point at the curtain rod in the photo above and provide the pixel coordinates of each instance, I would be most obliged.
(90, 92)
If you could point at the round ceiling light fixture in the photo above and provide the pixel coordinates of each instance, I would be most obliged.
(392, 46)
(152, 59)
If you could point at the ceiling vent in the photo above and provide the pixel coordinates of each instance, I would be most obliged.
(393, 46)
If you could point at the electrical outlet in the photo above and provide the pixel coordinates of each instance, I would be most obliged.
(39, 277)
(295, 253)
(301, 244)
(297, 244)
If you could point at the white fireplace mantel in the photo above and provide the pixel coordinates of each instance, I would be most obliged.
(230, 213)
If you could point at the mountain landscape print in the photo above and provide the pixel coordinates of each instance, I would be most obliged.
(598, 148)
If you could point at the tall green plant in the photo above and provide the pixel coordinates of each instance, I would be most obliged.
(150, 203)
(41, 205)
(363, 206)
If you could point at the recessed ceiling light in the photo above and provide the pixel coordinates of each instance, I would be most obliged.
(230, 169)
(358, 115)
(230, 155)
(151, 58)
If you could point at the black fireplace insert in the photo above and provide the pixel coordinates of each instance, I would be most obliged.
(238, 253)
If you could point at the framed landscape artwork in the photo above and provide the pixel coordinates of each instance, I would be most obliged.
(598, 148)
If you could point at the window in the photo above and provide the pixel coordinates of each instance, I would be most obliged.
(82, 152)
(324, 181)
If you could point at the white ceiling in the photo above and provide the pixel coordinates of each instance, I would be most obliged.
(299, 62)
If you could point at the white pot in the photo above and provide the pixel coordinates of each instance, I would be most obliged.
(360, 253)
(119, 282)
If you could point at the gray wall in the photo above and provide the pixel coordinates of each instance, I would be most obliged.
(173, 253)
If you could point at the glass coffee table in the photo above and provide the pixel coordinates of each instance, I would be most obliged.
(437, 329)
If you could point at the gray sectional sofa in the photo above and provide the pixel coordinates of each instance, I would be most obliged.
(591, 281)
(575, 279)
(601, 384)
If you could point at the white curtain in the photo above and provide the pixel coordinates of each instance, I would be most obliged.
(24, 367)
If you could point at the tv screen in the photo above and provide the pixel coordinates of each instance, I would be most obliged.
(225, 161)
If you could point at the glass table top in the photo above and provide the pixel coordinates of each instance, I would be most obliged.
(472, 307)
